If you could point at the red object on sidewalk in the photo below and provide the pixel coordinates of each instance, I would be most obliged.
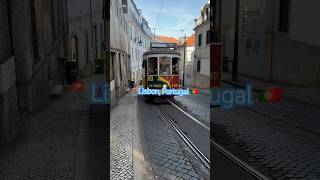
(78, 86)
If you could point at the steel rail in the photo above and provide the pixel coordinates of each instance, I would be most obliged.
(194, 119)
(191, 145)
(246, 167)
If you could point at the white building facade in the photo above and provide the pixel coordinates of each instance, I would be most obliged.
(187, 49)
(201, 66)
(119, 62)
(139, 38)
(86, 34)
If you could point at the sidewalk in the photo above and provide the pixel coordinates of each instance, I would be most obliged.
(127, 159)
(309, 95)
(52, 142)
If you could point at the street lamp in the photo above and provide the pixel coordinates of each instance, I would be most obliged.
(140, 41)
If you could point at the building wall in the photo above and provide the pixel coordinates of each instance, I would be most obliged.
(55, 40)
(138, 31)
(119, 49)
(28, 58)
(8, 90)
(188, 65)
(304, 23)
(267, 53)
(294, 62)
(202, 54)
(252, 36)
(87, 25)
(296, 53)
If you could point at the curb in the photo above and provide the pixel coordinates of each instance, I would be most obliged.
(141, 163)
(241, 85)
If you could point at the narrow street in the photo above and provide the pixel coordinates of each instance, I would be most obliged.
(162, 89)
(162, 152)
(59, 140)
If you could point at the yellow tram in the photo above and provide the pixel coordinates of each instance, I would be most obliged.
(161, 66)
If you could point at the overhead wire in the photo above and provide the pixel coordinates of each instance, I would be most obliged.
(159, 14)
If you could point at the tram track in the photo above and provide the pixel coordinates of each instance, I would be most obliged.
(248, 172)
(245, 169)
(277, 119)
(195, 149)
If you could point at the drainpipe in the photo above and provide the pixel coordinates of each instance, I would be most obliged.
(272, 38)
(236, 42)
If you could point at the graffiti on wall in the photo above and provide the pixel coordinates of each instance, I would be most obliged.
(252, 44)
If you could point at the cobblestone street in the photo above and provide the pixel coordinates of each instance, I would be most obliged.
(280, 140)
(164, 156)
(197, 105)
(46, 145)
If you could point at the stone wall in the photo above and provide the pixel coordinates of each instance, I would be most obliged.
(38, 32)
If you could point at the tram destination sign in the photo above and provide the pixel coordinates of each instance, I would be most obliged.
(163, 45)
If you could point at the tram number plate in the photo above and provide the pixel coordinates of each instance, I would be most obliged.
(150, 78)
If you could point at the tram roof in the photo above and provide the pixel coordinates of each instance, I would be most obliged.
(162, 51)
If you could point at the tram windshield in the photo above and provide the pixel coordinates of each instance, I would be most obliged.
(165, 63)
(153, 66)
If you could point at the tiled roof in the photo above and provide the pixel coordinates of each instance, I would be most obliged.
(190, 41)
(166, 39)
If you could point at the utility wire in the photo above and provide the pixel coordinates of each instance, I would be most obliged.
(159, 14)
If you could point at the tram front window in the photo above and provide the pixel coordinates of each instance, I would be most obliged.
(175, 66)
(165, 65)
(152, 66)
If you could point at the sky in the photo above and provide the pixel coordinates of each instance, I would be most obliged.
(169, 17)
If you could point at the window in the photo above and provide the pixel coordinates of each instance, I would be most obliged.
(60, 17)
(208, 37)
(10, 27)
(199, 40)
(94, 37)
(74, 51)
(112, 65)
(198, 65)
(284, 15)
(175, 66)
(34, 31)
(53, 20)
(165, 65)
(153, 66)
(6, 44)
(117, 8)
(101, 40)
(207, 14)
(120, 68)
(86, 47)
